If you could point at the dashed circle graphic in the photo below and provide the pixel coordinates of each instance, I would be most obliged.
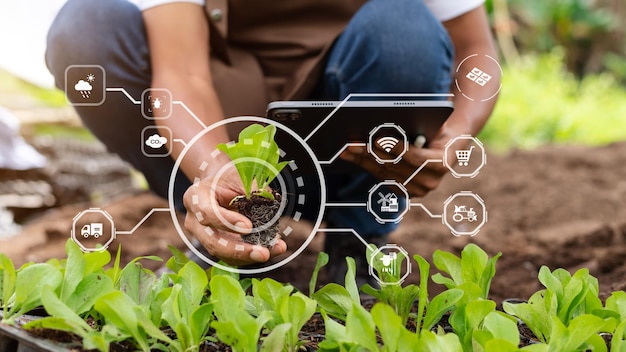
(300, 198)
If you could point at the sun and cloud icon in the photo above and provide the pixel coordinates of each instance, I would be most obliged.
(84, 87)
(155, 141)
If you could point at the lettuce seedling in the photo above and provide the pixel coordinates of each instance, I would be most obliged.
(393, 294)
(235, 326)
(8, 277)
(337, 300)
(30, 280)
(472, 272)
(286, 309)
(565, 297)
(256, 157)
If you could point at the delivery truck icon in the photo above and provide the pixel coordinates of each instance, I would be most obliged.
(94, 230)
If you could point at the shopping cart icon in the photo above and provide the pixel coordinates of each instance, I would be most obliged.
(464, 155)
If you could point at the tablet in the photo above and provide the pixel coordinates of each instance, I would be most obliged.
(327, 129)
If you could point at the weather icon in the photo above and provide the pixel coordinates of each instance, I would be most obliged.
(85, 87)
(155, 141)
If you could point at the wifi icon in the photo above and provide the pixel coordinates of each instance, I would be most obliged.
(387, 143)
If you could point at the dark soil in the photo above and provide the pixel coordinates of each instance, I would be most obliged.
(261, 211)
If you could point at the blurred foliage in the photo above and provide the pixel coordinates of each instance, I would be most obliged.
(11, 85)
(591, 32)
(541, 103)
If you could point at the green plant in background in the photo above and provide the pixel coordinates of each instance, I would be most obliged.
(256, 157)
(541, 104)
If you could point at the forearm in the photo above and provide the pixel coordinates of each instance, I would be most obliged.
(199, 96)
(178, 37)
(472, 38)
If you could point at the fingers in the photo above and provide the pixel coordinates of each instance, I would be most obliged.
(202, 202)
(229, 246)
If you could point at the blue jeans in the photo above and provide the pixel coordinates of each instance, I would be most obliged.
(388, 47)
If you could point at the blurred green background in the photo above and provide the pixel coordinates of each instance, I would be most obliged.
(564, 72)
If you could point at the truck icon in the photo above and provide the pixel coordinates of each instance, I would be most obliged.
(94, 229)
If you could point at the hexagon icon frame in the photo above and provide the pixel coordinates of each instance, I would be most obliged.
(401, 214)
(379, 250)
(107, 216)
(405, 144)
(478, 226)
(480, 146)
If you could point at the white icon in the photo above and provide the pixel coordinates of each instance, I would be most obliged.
(155, 141)
(389, 263)
(388, 202)
(156, 103)
(464, 155)
(94, 230)
(387, 143)
(85, 87)
(459, 210)
(478, 76)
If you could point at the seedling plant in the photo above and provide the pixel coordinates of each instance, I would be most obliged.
(103, 304)
(256, 158)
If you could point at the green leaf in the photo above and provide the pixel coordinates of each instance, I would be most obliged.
(450, 264)
(199, 323)
(322, 260)
(502, 327)
(350, 281)
(335, 300)
(30, 281)
(137, 281)
(424, 268)
(88, 291)
(439, 305)
(118, 309)
(297, 310)
(360, 328)
(255, 155)
(194, 283)
(7, 287)
(431, 342)
(534, 314)
(74, 270)
(115, 272)
(177, 261)
(389, 325)
(96, 261)
(275, 341)
(579, 331)
(59, 311)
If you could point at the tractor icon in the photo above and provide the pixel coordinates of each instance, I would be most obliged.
(461, 213)
(94, 229)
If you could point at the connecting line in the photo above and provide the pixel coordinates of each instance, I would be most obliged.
(346, 230)
(425, 210)
(420, 169)
(341, 151)
(136, 102)
(306, 139)
(346, 204)
(190, 113)
(180, 141)
(141, 221)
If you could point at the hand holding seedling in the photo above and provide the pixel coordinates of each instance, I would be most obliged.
(237, 237)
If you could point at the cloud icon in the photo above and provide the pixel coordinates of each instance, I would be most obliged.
(83, 86)
(155, 141)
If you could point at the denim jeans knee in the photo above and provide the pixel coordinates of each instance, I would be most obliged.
(390, 46)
